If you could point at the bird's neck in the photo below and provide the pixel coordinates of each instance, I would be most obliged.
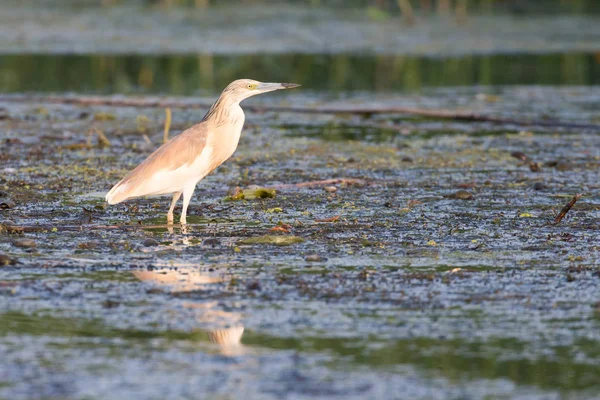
(221, 109)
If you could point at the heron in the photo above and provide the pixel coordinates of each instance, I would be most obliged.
(178, 165)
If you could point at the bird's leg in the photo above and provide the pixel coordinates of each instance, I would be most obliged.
(187, 196)
(176, 196)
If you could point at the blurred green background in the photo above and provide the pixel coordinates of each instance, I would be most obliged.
(181, 73)
(515, 6)
(187, 75)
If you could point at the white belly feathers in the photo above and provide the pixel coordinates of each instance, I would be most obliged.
(171, 181)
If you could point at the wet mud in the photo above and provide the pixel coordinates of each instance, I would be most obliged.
(398, 255)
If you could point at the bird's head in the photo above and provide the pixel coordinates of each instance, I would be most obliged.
(244, 88)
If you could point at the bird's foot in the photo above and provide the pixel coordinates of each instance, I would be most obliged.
(184, 229)
(183, 222)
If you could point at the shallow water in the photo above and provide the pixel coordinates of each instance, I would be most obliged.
(412, 291)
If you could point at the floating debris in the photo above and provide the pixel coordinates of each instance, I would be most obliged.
(5, 204)
(10, 227)
(285, 228)
(539, 186)
(461, 195)
(519, 155)
(252, 193)
(278, 240)
(211, 242)
(254, 285)
(314, 258)
(566, 208)
(102, 139)
(104, 116)
(24, 243)
(332, 219)
(150, 242)
(5, 201)
(274, 210)
(533, 166)
(7, 260)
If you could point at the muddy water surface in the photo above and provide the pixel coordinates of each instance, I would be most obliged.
(433, 269)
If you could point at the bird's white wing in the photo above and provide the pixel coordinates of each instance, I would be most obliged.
(166, 169)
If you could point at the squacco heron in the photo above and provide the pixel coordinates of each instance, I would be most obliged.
(178, 165)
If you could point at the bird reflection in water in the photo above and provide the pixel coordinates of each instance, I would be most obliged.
(186, 279)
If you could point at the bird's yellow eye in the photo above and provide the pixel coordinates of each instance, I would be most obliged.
(251, 86)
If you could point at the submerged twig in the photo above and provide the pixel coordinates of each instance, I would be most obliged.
(533, 166)
(102, 139)
(332, 219)
(364, 111)
(147, 139)
(566, 208)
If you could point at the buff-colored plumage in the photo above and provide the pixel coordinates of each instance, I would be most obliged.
(178, 165)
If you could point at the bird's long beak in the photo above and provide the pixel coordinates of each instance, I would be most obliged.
(269, 87)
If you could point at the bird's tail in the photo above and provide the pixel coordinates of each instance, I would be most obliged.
(117, 194)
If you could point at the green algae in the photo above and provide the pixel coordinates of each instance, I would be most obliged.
(402, 267)
(278, 240)
(252, 194)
